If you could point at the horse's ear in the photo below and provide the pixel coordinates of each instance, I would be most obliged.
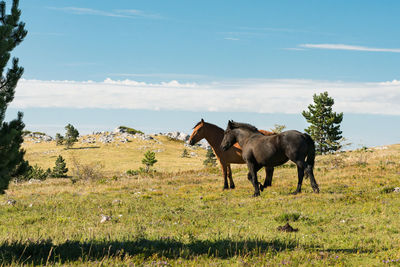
(230, 124)
(202, 120)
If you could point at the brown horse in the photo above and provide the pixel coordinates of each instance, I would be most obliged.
(214, 135)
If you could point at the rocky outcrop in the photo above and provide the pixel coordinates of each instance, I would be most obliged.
(114, 137)
(37, 137)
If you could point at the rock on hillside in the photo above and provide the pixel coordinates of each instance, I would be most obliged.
(185, 138)
(112, 137)
(37, 137)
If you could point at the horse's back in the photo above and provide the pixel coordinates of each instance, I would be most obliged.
(265, 150)
(294, 143)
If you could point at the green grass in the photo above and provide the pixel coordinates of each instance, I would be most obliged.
(184, 218)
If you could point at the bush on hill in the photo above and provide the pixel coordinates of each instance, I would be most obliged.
(130, 130)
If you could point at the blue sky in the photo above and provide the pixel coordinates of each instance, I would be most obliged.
(255, 57)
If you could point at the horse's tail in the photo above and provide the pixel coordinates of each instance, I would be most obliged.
(310, 155)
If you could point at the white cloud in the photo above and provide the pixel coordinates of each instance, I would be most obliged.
(119, 13)
(350, 47)
(161, 75)
(231, 39)
(263, 96)
(294, 49)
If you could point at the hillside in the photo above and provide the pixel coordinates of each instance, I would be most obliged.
(116, 153)
(184, 218)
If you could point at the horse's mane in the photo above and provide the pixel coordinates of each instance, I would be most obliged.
(246, 126)
(197, 124)
(209, 124)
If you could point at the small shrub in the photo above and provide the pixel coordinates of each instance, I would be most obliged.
(132, 172)
(149, 160)
(60, 169)
(25, 132)
(185, 154)
(59, 139)
(210, 160)
(286, 217)
(169, 138)
(130, 130)
(278, 128)
(39, 133)
(387, 190)
(34, 172)
(86, 172)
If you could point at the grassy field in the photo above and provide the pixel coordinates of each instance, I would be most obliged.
(183, 217)
(118, 157)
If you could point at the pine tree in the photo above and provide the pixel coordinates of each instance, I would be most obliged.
(325, 124)
(60, 169)
(210, 158)
(71, 136)
(59, 139)
(149, 159)
(12, 33)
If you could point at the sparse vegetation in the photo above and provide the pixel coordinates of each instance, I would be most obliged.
(132, 172)
(184, 218)
(86, 172)
(39, 133)
(185, 154)
(210, 160)
(130, 130)
(34, 172)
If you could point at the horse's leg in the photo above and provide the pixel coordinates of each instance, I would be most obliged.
(269, 172)
(231, 183)
(253, 174)
(309, 171)
(224, 171)
(300, 175)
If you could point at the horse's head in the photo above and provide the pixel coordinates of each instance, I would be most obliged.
(198, 133)
(229, 137)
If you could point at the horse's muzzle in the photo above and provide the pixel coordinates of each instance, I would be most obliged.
(191, 142)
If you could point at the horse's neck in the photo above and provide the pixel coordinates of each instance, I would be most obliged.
(214, 135)
(243, 136)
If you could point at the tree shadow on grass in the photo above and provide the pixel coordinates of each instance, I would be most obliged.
(83, 147)
(40, 252)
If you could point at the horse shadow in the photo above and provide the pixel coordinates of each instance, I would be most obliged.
(45, 251)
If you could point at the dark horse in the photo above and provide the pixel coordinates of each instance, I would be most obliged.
(213, 134)
(269, 151)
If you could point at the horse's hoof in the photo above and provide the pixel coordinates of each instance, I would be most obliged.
(316, 190)
(256, 194)
(225, 188)
(294, 193)
(232, 186)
